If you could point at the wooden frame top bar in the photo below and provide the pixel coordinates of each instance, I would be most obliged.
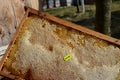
(75, 26)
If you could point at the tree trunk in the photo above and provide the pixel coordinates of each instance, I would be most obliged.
(54, 3)
(40, 5)
(63, 3)
(77, 6)
(47, 3)
(83, 6)
(103, 16)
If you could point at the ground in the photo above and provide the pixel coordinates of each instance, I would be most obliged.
(88, 18)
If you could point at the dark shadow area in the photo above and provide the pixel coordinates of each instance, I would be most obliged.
(64, 16)
(89, 23)
(115, 26)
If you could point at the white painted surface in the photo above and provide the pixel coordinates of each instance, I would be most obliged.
(69, 2)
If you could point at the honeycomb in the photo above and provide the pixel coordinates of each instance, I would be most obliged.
(39, 50)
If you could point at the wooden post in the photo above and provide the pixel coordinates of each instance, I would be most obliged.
(103, 16)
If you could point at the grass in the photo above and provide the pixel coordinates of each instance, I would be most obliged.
(69, 13)
(88, 19)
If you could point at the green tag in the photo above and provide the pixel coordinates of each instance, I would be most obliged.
(67, 57)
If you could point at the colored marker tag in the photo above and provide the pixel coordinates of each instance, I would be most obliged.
(67, 57)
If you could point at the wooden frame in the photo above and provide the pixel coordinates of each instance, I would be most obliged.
(54, 19)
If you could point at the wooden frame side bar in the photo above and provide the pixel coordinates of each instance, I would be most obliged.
(12, 41)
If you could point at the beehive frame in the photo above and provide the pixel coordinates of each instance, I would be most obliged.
(56, 20)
